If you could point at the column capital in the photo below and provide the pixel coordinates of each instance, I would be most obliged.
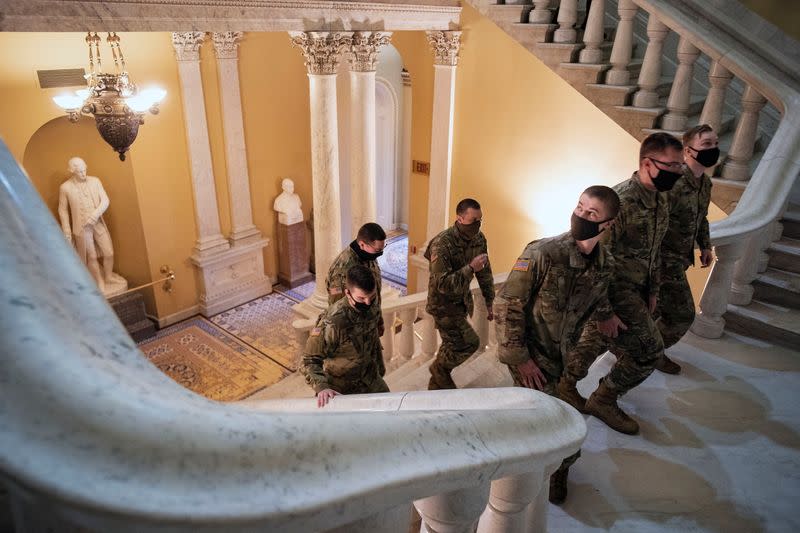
(226, 44)
(364, 49)
(322, 50)
(187, 44)
(446, 45)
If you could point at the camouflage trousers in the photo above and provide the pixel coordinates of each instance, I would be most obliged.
(637, 349)
(675, 304)
(549, 388)
(459, 341)
(360, 386)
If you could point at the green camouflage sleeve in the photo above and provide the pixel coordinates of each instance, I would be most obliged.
(486, 279)
(523, 283)
(604, 311)
(322, 341)
(444, 278)
(703, 233)
(335, 283)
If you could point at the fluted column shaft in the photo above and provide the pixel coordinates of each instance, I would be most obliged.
(678, 101)
(718, 77)
(593, 36)
(446, 46)
(737, 164)
(322, 51)
(623, 45)
(363, 164)
(187, 52)
(567, 18)
(243, 230)
(650, 75)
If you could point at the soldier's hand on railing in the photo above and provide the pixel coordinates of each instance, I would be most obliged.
(324, 396)
(610, 328)
(478, 262)
(489, 313)
(532, 376)
(706, 258)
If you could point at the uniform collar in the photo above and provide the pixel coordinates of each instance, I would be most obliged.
(578, 260)
(645, 195)
(693, 181)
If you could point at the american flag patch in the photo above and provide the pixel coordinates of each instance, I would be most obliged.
(335, 290)
(522, 265)
(315, 332)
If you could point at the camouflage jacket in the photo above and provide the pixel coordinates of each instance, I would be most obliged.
(688, 219)
(551, 292)
(337, 273)
(635, 238)
(344, 349)
(450, 274)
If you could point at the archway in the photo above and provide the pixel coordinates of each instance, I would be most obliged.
(386, 149)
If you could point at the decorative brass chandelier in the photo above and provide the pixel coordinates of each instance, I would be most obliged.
(117, 104)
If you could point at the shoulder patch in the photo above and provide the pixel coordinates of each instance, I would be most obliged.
(335, 290)
(522, 265)
(316, 331)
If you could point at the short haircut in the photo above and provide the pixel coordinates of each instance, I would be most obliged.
(607, 195)
(696, 132)
(371, 232)
(361, 277)
(466, 203)
(657, 143)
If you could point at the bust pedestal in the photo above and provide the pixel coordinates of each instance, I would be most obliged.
(293, 255)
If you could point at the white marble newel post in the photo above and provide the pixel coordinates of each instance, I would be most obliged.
(322, 51)
(226, 45)
(445, 46)
(363, 62)
(187, 52)
(737, 164)
(679, 95)
(650, 75)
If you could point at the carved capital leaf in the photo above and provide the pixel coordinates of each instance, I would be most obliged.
(226, 43)
(322, 50)
(364, 50)
(446, 45)
(187, 44)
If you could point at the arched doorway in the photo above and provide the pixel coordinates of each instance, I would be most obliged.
(386, 148)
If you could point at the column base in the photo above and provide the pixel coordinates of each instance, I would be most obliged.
(209, 246)
(741, 294)
(708, 327)
(231, 277)
(245, 236)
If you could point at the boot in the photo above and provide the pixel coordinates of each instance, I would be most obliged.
(440, 378)
(603, 405)
(565, 389)
(558, 486)
(667, 365)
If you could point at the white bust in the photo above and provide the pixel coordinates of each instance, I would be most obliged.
(287, 204)
(81, 204)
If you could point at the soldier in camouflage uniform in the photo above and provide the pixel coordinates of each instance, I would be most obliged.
(455, 255)
(343, 354)
(635, 242)
(555, 286)
(688, 224)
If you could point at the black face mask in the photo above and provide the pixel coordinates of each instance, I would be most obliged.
(708, 157)
(469, 231)
(582, 229)
(665, 180)
(364, 255)
(361, 307)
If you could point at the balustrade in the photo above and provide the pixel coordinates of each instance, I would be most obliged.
(541, 13)
(719, 78)
(623, 45)
(737, 162)
(567, 18)
(680, 94)
(593, 36)
(650, 75)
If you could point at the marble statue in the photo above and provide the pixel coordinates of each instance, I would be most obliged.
(287, 204)
(81, 204)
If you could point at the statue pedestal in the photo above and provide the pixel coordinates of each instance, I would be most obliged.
(130, 310)
(293, 255)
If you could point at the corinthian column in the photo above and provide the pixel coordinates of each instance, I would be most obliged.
(322, 52)
(187, 51)
(226, 45)
(445, 46)
(363, 62)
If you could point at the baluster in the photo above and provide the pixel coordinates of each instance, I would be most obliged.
(480, 320)
(541, 13)
(387, 339)
(302, 328)
(623, 45)
(650, 75)
(509, 500)
(593, 37)
(737, 164)
(393, 519)
(453, 512)
(746, 269)
(718, 77)
(406, 348)
(678, 102)
(428, 332)
(567, 18)
(709, 322)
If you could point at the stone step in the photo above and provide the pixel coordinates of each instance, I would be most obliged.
(785, 255)
(469, 372)
(405, 369)
(529, 35)
(791, 222)
(506, 14)
(768, 322)
(778, 287)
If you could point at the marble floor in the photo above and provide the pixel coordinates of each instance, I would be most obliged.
(719, 448)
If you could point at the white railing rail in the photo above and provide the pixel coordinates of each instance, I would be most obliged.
(94, 436)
